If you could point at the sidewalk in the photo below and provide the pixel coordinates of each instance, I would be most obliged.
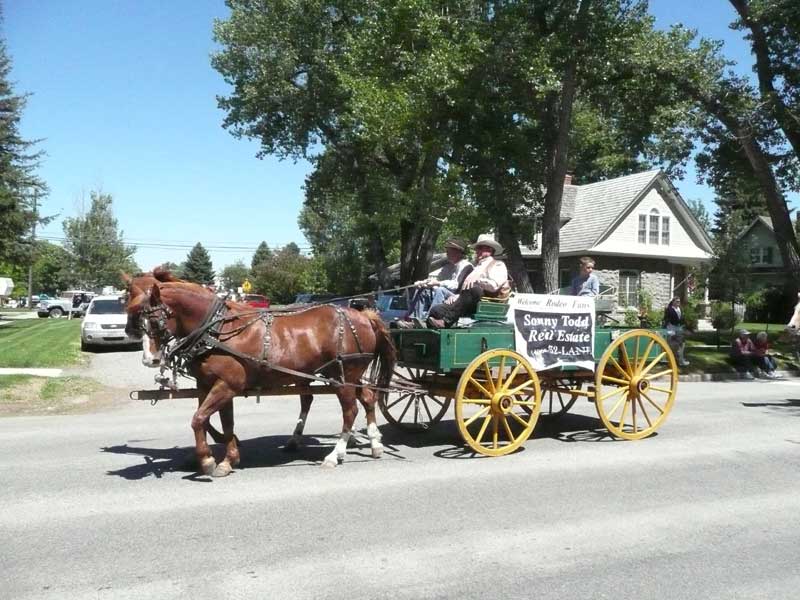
(785, 375)
(36, 372)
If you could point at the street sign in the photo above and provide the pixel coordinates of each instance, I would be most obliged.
(247, 286)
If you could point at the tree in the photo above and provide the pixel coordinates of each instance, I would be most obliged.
(50, 269)
(285, 275)
(306, 77)
(96, 247)
(198, 267)
(261, 255)
(19, 186)
(700, 213)
(234, 275)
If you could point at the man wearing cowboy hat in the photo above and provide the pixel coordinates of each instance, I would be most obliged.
(489, 277)
(440, 284)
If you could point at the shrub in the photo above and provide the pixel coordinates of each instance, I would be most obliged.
(722, 317)
(690, 317)
(631, 318)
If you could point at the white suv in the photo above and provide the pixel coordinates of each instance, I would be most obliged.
(104, 323)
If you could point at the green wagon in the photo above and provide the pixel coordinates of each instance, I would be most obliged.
(499, 397)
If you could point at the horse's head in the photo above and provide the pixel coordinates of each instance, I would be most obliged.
(793, 326)
(150, 319)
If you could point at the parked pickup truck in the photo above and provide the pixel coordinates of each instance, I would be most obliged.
(71, 301)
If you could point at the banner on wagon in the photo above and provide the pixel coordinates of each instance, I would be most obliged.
(554, 331)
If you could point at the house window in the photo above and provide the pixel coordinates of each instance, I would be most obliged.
(665, 231)
(761, 256)
(642, 229)
(654, 218)
(628, 288)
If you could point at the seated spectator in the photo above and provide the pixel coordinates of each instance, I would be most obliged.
(586, 283)
(489, 278)
(743, 353)
(762, 357)
(674, 323)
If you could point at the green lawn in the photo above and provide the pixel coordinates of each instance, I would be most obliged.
(40, 343)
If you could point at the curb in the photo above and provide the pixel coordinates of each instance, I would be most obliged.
(733, 376)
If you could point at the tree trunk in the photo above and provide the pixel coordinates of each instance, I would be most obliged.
(507, 236)
(776, 203)
(559, 150)
(766, 76)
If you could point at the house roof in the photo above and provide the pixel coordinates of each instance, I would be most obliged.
(593, 211)
(597, 207)
(766, 221)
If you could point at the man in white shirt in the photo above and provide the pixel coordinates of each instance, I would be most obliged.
(444, 282)
(489, 277)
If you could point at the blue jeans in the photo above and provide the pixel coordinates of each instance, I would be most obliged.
(425, 298)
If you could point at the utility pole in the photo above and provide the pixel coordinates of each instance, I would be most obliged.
(33, 249)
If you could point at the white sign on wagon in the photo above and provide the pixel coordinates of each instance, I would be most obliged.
(554, 331)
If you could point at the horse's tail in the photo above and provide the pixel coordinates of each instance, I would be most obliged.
(385, 352)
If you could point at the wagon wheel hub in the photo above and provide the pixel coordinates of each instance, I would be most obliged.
(502, 403)
(639, 385)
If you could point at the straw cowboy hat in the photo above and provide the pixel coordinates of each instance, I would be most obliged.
(487, 239)
(456, 244)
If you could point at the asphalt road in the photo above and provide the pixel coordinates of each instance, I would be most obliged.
(107, 505)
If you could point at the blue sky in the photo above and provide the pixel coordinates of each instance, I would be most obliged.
(123, 97)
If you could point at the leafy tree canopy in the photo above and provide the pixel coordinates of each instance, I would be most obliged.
(234, 275)
(96, 248)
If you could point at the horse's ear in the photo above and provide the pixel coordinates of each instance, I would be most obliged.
(125, 278)
(155, 293)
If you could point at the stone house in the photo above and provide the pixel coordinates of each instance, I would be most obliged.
(638, 229)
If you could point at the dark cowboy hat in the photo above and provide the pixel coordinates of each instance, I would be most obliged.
(456, 244)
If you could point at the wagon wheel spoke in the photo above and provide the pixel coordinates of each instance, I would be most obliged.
(650, 400)
(519, 419)
(659, 374)
(510, 380)
(478, 385)
(615, 380)
(488, 372)
(494, 432)
(652, 364)
(482, 412)
(640, 364)
(507, 429)
(485, 424)
(399, 399)
(644, 412)
(500, 371)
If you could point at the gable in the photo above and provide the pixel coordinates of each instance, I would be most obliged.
(657, 209)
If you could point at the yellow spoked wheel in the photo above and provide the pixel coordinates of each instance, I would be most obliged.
(635, 384)
(497, 402)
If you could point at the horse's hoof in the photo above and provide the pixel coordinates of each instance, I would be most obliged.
(207, 465)
(328, 464)
(223, 469)
(235, 462)
(377, 452)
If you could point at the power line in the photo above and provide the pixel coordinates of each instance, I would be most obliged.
(166, 245)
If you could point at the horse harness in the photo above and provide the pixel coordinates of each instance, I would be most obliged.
(209, 337)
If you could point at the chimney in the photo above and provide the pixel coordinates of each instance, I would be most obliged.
(568, 179)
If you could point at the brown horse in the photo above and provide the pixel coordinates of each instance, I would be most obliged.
(152, 355)
(256, 349)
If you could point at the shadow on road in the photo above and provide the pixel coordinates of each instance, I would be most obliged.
(266, 451)
(793, 404)
(566, 428)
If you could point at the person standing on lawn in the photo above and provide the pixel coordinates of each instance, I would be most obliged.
(675, 324)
